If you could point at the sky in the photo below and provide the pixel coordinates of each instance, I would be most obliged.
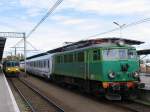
(72, 21)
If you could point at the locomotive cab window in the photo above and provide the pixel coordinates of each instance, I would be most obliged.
(109, 54)
(132, 54)
(96, 55)
(8, 64)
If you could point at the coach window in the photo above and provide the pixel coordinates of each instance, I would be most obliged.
(38, 64)
(96, 55)
(48, 63)
(41, 64)
(44, 63)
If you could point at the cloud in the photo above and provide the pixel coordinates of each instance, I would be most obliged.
(36, 7)
(75, 20)
(101, 7)
(104, 7)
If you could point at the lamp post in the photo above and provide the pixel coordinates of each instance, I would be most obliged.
(120, 27)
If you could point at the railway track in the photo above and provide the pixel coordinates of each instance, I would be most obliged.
(126, 105)
(132, 106)
(34, 98)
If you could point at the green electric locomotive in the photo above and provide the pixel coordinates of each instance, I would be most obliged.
(107, 67)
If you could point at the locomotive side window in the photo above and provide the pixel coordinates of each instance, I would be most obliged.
(58, 59)
(75, 57)
(65, 59)
(96, 55)
(70, 58)
(81, 57)
(61, 59)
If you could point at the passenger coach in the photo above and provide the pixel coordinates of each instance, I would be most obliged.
(40, 65)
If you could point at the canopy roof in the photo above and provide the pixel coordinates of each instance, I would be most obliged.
(144, 52)
(2, 45)
(85, 43)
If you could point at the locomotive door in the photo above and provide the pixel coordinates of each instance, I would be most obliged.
(80, 67)
(87, 73)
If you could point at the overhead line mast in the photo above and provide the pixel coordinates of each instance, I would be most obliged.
(34, 28)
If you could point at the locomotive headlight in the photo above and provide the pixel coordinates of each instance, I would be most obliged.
(112, 75)
(17, 69)
(8, 69)
(136, 75)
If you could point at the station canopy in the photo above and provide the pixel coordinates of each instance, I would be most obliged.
(143, 52)
(85, 43)
(2, 45)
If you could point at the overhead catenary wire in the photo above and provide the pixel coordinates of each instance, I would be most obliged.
(51, 10)
(126, 26)
(45, 17)
(32, 46)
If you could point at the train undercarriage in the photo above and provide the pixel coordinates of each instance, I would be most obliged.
(110, 90)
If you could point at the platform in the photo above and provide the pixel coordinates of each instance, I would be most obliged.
(145, 78)
(7, 100)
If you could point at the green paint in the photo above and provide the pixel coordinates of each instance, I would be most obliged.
(94, 69)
